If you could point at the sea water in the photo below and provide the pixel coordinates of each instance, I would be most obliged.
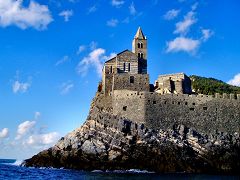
(11, 169)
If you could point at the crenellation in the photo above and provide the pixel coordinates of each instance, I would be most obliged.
(232, 96)
(217, 95)
(238, 97)
(126, 93)
(225, 96)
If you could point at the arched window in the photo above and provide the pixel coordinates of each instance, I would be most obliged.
(124, 67)
(129, 67)
(139, 45)
(131, 79)
(141, 55)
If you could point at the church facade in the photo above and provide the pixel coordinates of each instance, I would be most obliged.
(128, 70)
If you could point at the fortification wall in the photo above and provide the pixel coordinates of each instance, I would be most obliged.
(129, 104)
(204, 113)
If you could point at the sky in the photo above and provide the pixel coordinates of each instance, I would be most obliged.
(52, 52)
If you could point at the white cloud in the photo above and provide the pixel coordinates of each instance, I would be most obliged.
(183, 27)
(43, 139)
(235, 81)
(95, 58)
(132, 9)
(24, 128)
(194, 6)
(66, 14)
(4, 133)
(117, 3)
(126, 20)
(13, 12)
(66, 87)
(21, 87)
(62, 61)
(112, 22)
(171, 14)
(93, 45)
(183, 44)
(37, 115)
(92, 9)
(81, 49)
(206, 34)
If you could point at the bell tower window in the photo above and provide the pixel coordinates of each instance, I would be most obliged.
(124, 67)
(140, 55)
(139, 45)
(129, 67)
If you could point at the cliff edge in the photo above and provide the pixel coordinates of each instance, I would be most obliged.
(110, 142)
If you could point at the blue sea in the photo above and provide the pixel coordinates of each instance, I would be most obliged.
(10, 169)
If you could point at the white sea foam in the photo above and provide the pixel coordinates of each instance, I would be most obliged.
(133, 171)
(17, 163)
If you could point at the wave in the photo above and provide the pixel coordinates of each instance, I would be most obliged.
(17, 163)
(13, 162)
(131, 171)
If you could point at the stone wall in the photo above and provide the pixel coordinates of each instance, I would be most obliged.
(135, 82)
(204, 113)
(124, 59)
(177, 83)
(107, 83)
(122, 81)
(129, 104)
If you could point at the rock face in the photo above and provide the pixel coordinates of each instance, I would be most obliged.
(108, 142)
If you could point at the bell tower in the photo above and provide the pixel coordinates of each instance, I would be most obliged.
(139, 47)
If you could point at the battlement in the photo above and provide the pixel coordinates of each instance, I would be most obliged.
(126, 93)
(160, 111)
(143, 94)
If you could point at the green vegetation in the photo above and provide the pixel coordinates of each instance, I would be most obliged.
(210, 86)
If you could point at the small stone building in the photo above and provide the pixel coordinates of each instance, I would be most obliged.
(173, 83)
(128, 70)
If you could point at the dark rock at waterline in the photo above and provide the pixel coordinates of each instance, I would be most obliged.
(133, 146)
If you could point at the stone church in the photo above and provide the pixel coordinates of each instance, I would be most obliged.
(128, 70)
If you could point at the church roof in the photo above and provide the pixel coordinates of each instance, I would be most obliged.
(126, 50)
(140, 34)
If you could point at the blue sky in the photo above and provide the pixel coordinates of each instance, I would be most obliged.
(52, 51)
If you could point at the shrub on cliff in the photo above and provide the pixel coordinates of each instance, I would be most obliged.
(210, 86)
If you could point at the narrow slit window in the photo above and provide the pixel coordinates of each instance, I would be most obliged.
(111, 69)
(129, 67)
(124, 67)
(131, 79)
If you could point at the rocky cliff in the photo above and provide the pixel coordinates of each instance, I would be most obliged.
(108, 142)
